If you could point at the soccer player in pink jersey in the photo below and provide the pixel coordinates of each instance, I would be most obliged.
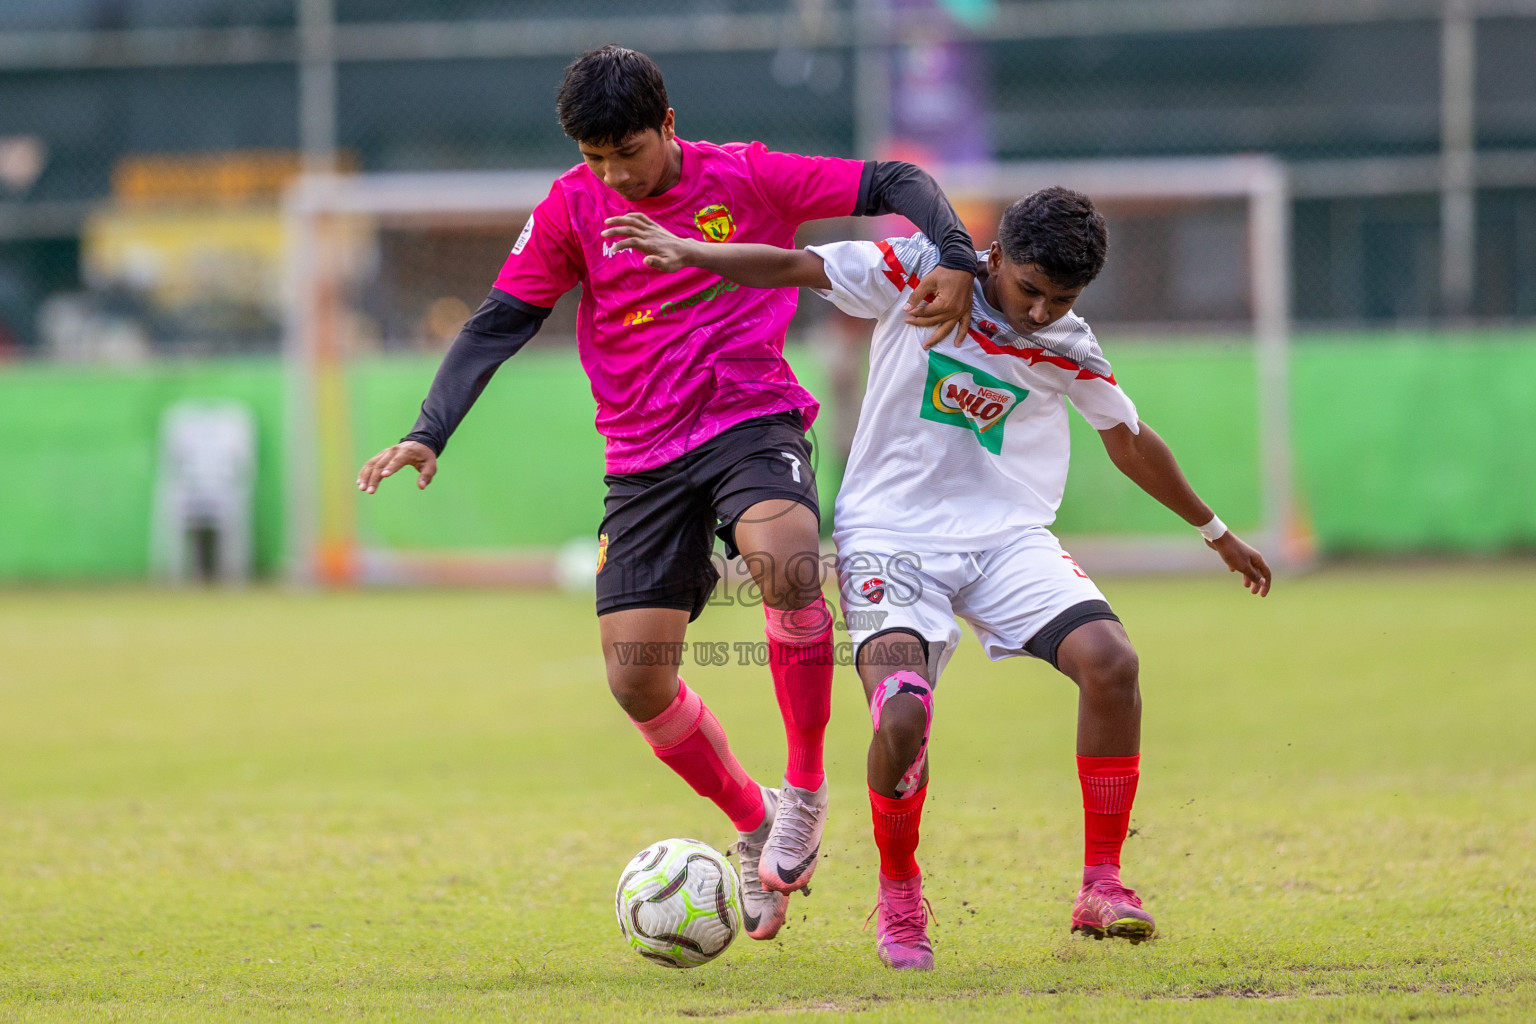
(704, 420)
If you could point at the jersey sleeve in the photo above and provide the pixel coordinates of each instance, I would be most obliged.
(544, 263)
(493, 335)
(894, 186)
(870, 278)
(1095, 393)
(801, 188)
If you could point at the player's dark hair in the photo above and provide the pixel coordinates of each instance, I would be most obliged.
(609, 94)
(1060, 232)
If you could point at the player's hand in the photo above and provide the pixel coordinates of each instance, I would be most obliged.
(664, 250)
(395, 458)
(942, 300)
(1244, 559)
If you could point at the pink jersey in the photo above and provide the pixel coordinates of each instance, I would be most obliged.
(676, 359)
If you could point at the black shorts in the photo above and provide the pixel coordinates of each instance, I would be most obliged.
(659, 525)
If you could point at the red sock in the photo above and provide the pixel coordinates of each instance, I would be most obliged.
(896, 831)
(800, 658)
(1109, 789)
(688, 737)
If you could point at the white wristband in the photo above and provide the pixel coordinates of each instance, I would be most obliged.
(1213, 530)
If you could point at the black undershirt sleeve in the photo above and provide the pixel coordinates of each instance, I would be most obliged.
(895, 186)
(502, 325)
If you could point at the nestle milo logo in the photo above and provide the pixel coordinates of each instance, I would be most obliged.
(983, 406)
(964, 396)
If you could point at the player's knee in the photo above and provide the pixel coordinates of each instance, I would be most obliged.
(641, 691)
(790, 583)
(1112, 672)
(903, 727)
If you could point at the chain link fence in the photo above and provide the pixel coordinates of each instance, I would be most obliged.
(143, 142)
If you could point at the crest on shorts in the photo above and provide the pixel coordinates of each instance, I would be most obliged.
(715, 222)
(873, 589)
(602, 552)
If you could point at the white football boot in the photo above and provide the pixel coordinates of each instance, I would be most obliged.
(794, 843)
(762, 911)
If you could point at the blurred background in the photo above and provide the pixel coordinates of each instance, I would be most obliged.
(197, 349)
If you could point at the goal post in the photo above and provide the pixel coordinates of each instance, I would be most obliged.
(331, 221)
(348, 233)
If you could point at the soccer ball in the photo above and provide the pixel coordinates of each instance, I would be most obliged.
(678, 903)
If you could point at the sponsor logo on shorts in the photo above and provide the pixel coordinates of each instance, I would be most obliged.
(715, 222)
(873, 590)
(963, 396)
(794, 462)
(602, 552)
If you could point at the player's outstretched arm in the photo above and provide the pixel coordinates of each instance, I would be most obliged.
(1148, 461)
(500, 327)
(756, 266)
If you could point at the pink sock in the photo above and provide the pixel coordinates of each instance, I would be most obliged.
(688, 737)
(800, 658)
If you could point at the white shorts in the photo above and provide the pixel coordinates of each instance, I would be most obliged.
(1006, 594)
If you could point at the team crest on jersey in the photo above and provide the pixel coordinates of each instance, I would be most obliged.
(873, 590)
(602, 552)
(715, 222)
(964, 396)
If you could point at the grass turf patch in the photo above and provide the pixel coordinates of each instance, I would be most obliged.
(415, 806)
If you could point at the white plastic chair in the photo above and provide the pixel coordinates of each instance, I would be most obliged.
(201, 525)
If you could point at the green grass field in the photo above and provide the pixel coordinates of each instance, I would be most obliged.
(402, 806)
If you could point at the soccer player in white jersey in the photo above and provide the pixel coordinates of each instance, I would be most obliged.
(957, 469)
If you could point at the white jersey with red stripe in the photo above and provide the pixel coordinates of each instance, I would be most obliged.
(958, 449)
